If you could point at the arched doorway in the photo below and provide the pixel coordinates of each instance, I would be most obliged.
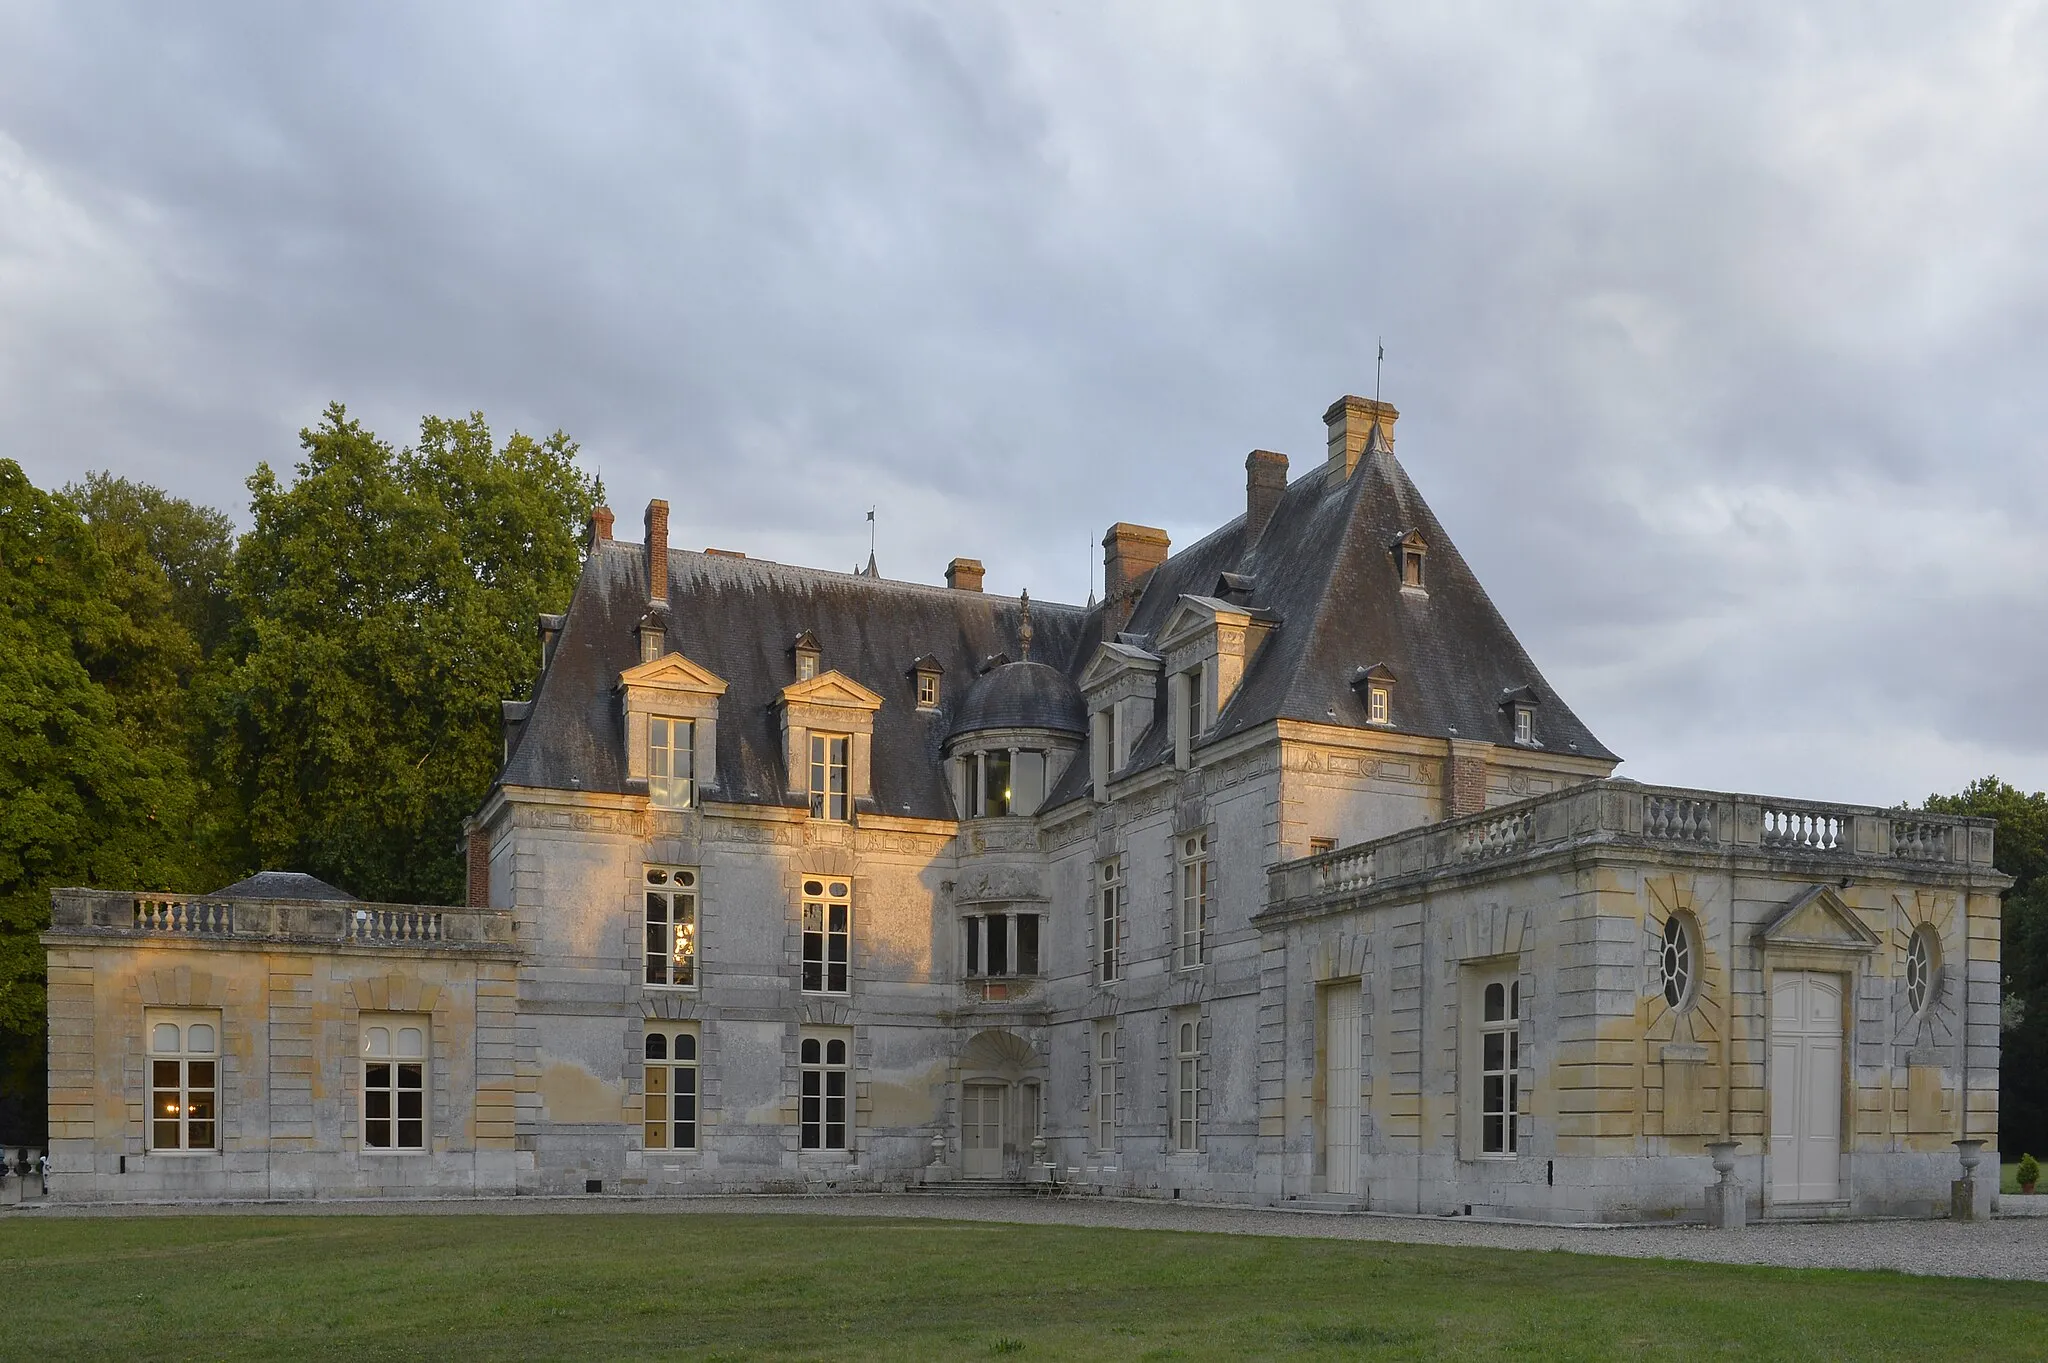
(1001, 1104)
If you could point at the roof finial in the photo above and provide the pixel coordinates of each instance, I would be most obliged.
(1024, 625)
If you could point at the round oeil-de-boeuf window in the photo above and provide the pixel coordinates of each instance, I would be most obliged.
(1675, 961)
(1922, 955)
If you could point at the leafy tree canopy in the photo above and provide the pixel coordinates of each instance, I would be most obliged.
(386, 601)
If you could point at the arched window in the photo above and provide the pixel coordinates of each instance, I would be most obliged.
(1675, 965)
(1923, 955)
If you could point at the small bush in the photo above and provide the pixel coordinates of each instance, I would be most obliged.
(2028, 1172)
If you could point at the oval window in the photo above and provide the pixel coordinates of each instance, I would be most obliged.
(1674, 962)
(1923, 954)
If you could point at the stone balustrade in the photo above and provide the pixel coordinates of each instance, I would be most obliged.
(1626, 812)
(416, 926)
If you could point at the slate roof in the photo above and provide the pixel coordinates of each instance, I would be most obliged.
(1325, 567)
(281, 885)
(1026, 695)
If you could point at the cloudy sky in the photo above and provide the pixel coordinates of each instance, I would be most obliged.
(1719, 332)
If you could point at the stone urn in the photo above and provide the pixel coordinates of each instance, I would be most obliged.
(1971, 1152)
(1723, 1154)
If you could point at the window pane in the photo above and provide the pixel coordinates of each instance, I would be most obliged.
(199, 1074)
(411, 1042)
(998, 944)
(199, 1039)
(377, 1104)
(377, 1041)
(199, 1136)
(1027, 783)
(164, 1135)
(164, 1074)
(835, 1052)
(1496, 1003)
(686, 1046)
(1495, 1048)
(973, 945)
(164, 1039)
(997, 766)
(811, 1052)
(1027, 944)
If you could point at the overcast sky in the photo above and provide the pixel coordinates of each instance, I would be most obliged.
(1718, 333)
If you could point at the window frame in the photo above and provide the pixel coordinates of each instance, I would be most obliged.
(821, 971)
(1921, 974)
(819, 1074)
(1187, 1091)
(1525, 726)
(183, 1057)
(668, 788)
(672, 1068)
(1195, 887)
(977, 944)
(1502, 1105)
(1110, 905)
(1104, 1116)
(394, 1059)
(678, 883)
(1677, 960)
(1379, 704)
(831, 753)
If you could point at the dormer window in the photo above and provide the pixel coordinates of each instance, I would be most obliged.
(1411, 549)
(925, 674)
(1378, 700)
(1525, 724)
(653, 639)
(1375, 687)
(1520, 702)
(807, 654)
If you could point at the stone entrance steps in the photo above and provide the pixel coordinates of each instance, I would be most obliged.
(981, 1187)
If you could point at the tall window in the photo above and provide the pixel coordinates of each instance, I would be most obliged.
(1377, 701)
(1674, 961)
(823, 1071)
(828, 935)
(927, 689)
(1525, 724)
(1923, 954)
(830, 798)
(184, 1083)
(395, 1085)
(1187, 1097)
(1109, 920)
(671, 926)
(1500, 1065)
(1195, 870)
(1105, 1088)
(1194, 702)
(671, 1110)
(1000, 944)
(669, 771)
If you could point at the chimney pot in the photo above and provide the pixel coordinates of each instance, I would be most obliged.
(1265, 478)
(657, 550)
(964, 575)
(1351, 421)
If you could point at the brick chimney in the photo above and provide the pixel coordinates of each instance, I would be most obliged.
(1351, 421)
(600, 526)
(1265, 478)
(477, 868)
(964, 575)
(657, 551)
(1129, 554)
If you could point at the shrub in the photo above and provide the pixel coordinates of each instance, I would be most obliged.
(2028, 1172)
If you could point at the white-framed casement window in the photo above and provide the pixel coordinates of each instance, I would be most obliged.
(394, 1082)
(1525, 725)
(1109, 920)
(670, 749)
(671, 898)
(1193, 924)
(927, 690)
(184, 1079)
(825, 1083)
(1001, 944)
(1197, 702)
(1378, 704)
(1187, 1088)
(1105, 1089)
(1500, 1067)
(831, 786)
(828, 935)
(671, 1088)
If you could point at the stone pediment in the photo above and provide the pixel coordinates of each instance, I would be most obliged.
(1814, 918)
(673, 672)
(1112, 661)
(831, 688)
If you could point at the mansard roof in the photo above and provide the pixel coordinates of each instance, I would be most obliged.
(1324, 576)
(735, 618)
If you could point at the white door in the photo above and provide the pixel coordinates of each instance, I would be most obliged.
(981, 1131)
(1340, 1088)
(1806, 1087)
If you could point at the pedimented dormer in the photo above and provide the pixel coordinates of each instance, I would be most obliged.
(670, 708)
(1207, 643)
(828, 732)
(1119, 686)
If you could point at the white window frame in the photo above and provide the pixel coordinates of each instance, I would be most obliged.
(671, 762)
(825, 1090)
(831, 754)
(1500, 1069)
(1525, 725)
(1191, 927)
(1105, 1089)
(1379, 705)
(176, 1087)
(670, 1055)
(671, 904)
(1923, 959)
(1187, 1094)
(827, 931)
(1110, 904)
(980, 929)
(391, 1044)
(1678, 961)
(927, 690)
(807, 660)
(1197, 701)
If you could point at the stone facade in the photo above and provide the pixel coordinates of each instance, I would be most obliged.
(1279, 875)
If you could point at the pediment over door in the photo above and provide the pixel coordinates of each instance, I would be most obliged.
(1816, 919)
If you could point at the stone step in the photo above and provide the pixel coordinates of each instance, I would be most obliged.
(976, 1187)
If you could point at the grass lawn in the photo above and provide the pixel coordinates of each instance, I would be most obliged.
(637, 1286)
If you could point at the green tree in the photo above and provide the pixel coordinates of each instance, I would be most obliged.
(2020, 849)
(385, 605)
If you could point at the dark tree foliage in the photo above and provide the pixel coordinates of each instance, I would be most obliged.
(2021, 851)
(385, 604)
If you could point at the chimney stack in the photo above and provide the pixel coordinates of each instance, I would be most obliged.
(1129, 554)
(600, 527)
(964, 575)
(657, 552)
(1265, 478)
(1351, 421)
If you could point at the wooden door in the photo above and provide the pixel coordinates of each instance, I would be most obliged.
(981, 1130)
(1806, 1087)
(1341, 1088)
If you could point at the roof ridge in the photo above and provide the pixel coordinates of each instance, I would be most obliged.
(737, 563)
